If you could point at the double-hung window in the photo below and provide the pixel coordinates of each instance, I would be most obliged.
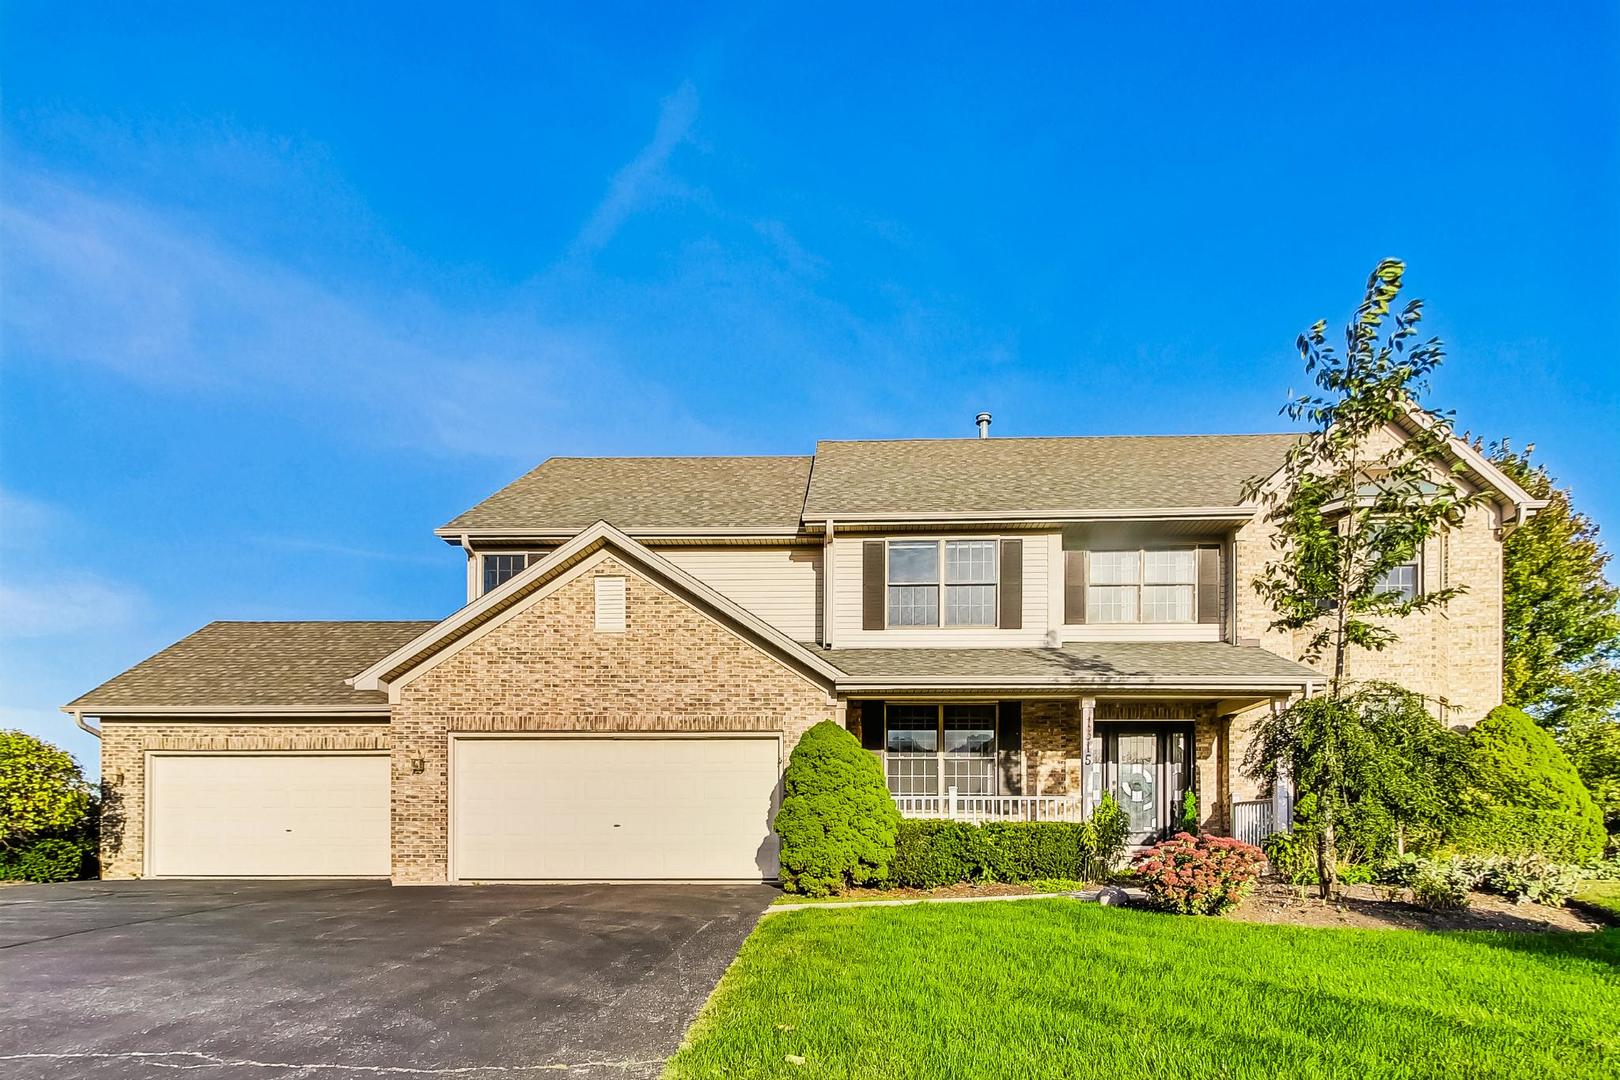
(920, 594)
(1402, 579)
(1157, 586)
(932, 748)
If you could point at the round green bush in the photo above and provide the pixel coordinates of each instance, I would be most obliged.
(837, 823)
(1526, 798)
(51, 859)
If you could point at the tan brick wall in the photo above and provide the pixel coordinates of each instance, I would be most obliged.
(548, 669)
(1452, 655)
(124, 745)
(1052, 747)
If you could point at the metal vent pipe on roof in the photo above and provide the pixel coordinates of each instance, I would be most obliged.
(983, 420)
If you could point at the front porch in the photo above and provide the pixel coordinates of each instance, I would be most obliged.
(1052, 758)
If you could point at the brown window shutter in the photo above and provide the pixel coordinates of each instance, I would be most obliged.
(1209, 584)
(1011, 593)
(874, 585)
(1074, 588)
(1010, 722)
(871, 725)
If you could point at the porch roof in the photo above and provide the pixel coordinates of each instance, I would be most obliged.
(1158, 665)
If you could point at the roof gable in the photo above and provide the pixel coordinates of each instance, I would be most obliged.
(443, 638)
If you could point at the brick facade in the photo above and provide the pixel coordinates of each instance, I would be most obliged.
(125, 743)
(547, 668)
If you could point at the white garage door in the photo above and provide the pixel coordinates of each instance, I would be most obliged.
(268, 815)
(614, 809)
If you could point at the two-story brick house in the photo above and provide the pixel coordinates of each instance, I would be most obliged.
(1013, 626)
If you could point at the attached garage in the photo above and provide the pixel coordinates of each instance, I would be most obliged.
(614, 808)
(267, 815)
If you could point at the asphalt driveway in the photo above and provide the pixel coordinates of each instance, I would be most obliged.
(285, 979)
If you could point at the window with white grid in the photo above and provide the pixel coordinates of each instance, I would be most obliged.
(1159, 586)
(931, 748)
(1401, 579)
(942, 582)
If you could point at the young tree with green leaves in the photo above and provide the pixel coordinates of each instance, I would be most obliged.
(1348, 506)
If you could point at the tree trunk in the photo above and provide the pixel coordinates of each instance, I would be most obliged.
(1327, 860)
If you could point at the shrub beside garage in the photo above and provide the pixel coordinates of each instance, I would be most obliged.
(47, 812)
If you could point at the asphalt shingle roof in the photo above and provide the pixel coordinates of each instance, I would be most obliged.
(1040, 476)
(257, 664)
(1103, 661)
(648, 493)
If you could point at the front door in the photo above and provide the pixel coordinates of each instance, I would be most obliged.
(1149, 769)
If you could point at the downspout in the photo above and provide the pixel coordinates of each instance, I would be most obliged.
(827, 585)
(78, 718)
(472, 568)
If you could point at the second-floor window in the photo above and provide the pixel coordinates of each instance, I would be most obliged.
(1402, 579)
(1157, 586)
(942, 583)
(498, 569)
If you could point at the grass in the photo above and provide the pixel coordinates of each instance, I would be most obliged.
(1067, 989)
(1041, 885)
(1603, 894)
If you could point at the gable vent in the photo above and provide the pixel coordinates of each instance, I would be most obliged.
(610, 604)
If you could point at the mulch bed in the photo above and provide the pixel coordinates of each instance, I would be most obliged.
(1364, 907)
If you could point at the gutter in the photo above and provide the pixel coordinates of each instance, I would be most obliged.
(1206, 682)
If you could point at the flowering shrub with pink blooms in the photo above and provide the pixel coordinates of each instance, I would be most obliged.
(1198, 875)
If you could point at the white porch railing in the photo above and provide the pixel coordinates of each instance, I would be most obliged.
(981, 808)
(1251, 821)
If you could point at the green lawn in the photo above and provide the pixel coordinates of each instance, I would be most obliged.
(1603, 894)
(1066, 989)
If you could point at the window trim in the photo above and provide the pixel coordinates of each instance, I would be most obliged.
(1416, 563)
(939, 582)
(940, 754)
(484, 587)
(1141, 584)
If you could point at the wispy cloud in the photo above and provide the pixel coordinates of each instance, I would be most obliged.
(644, 176)
(65, 606)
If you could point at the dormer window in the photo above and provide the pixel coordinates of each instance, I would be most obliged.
(499, 569)
(916, 585)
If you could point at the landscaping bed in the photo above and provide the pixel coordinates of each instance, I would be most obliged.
(1072, 989)
(1365, 907)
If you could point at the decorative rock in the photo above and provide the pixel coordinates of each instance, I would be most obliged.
(1113, 896)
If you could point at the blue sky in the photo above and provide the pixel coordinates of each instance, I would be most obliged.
(285, 287)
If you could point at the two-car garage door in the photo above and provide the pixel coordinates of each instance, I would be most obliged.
(685, 808)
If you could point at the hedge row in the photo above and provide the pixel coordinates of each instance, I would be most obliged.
(49, 859)
(929, 854)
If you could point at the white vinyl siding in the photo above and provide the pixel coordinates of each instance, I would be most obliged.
(780, 585)
(1038, 551)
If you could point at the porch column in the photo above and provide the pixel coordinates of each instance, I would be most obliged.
(1088, 717)
(1282, 790)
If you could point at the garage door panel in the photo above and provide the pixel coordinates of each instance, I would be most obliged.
(615, 809)
(269, 815)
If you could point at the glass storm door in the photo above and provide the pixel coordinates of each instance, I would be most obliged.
(1149, 769)
(1136, 782)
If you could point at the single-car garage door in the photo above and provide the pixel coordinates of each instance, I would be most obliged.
(688, 808)
(267, 815)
